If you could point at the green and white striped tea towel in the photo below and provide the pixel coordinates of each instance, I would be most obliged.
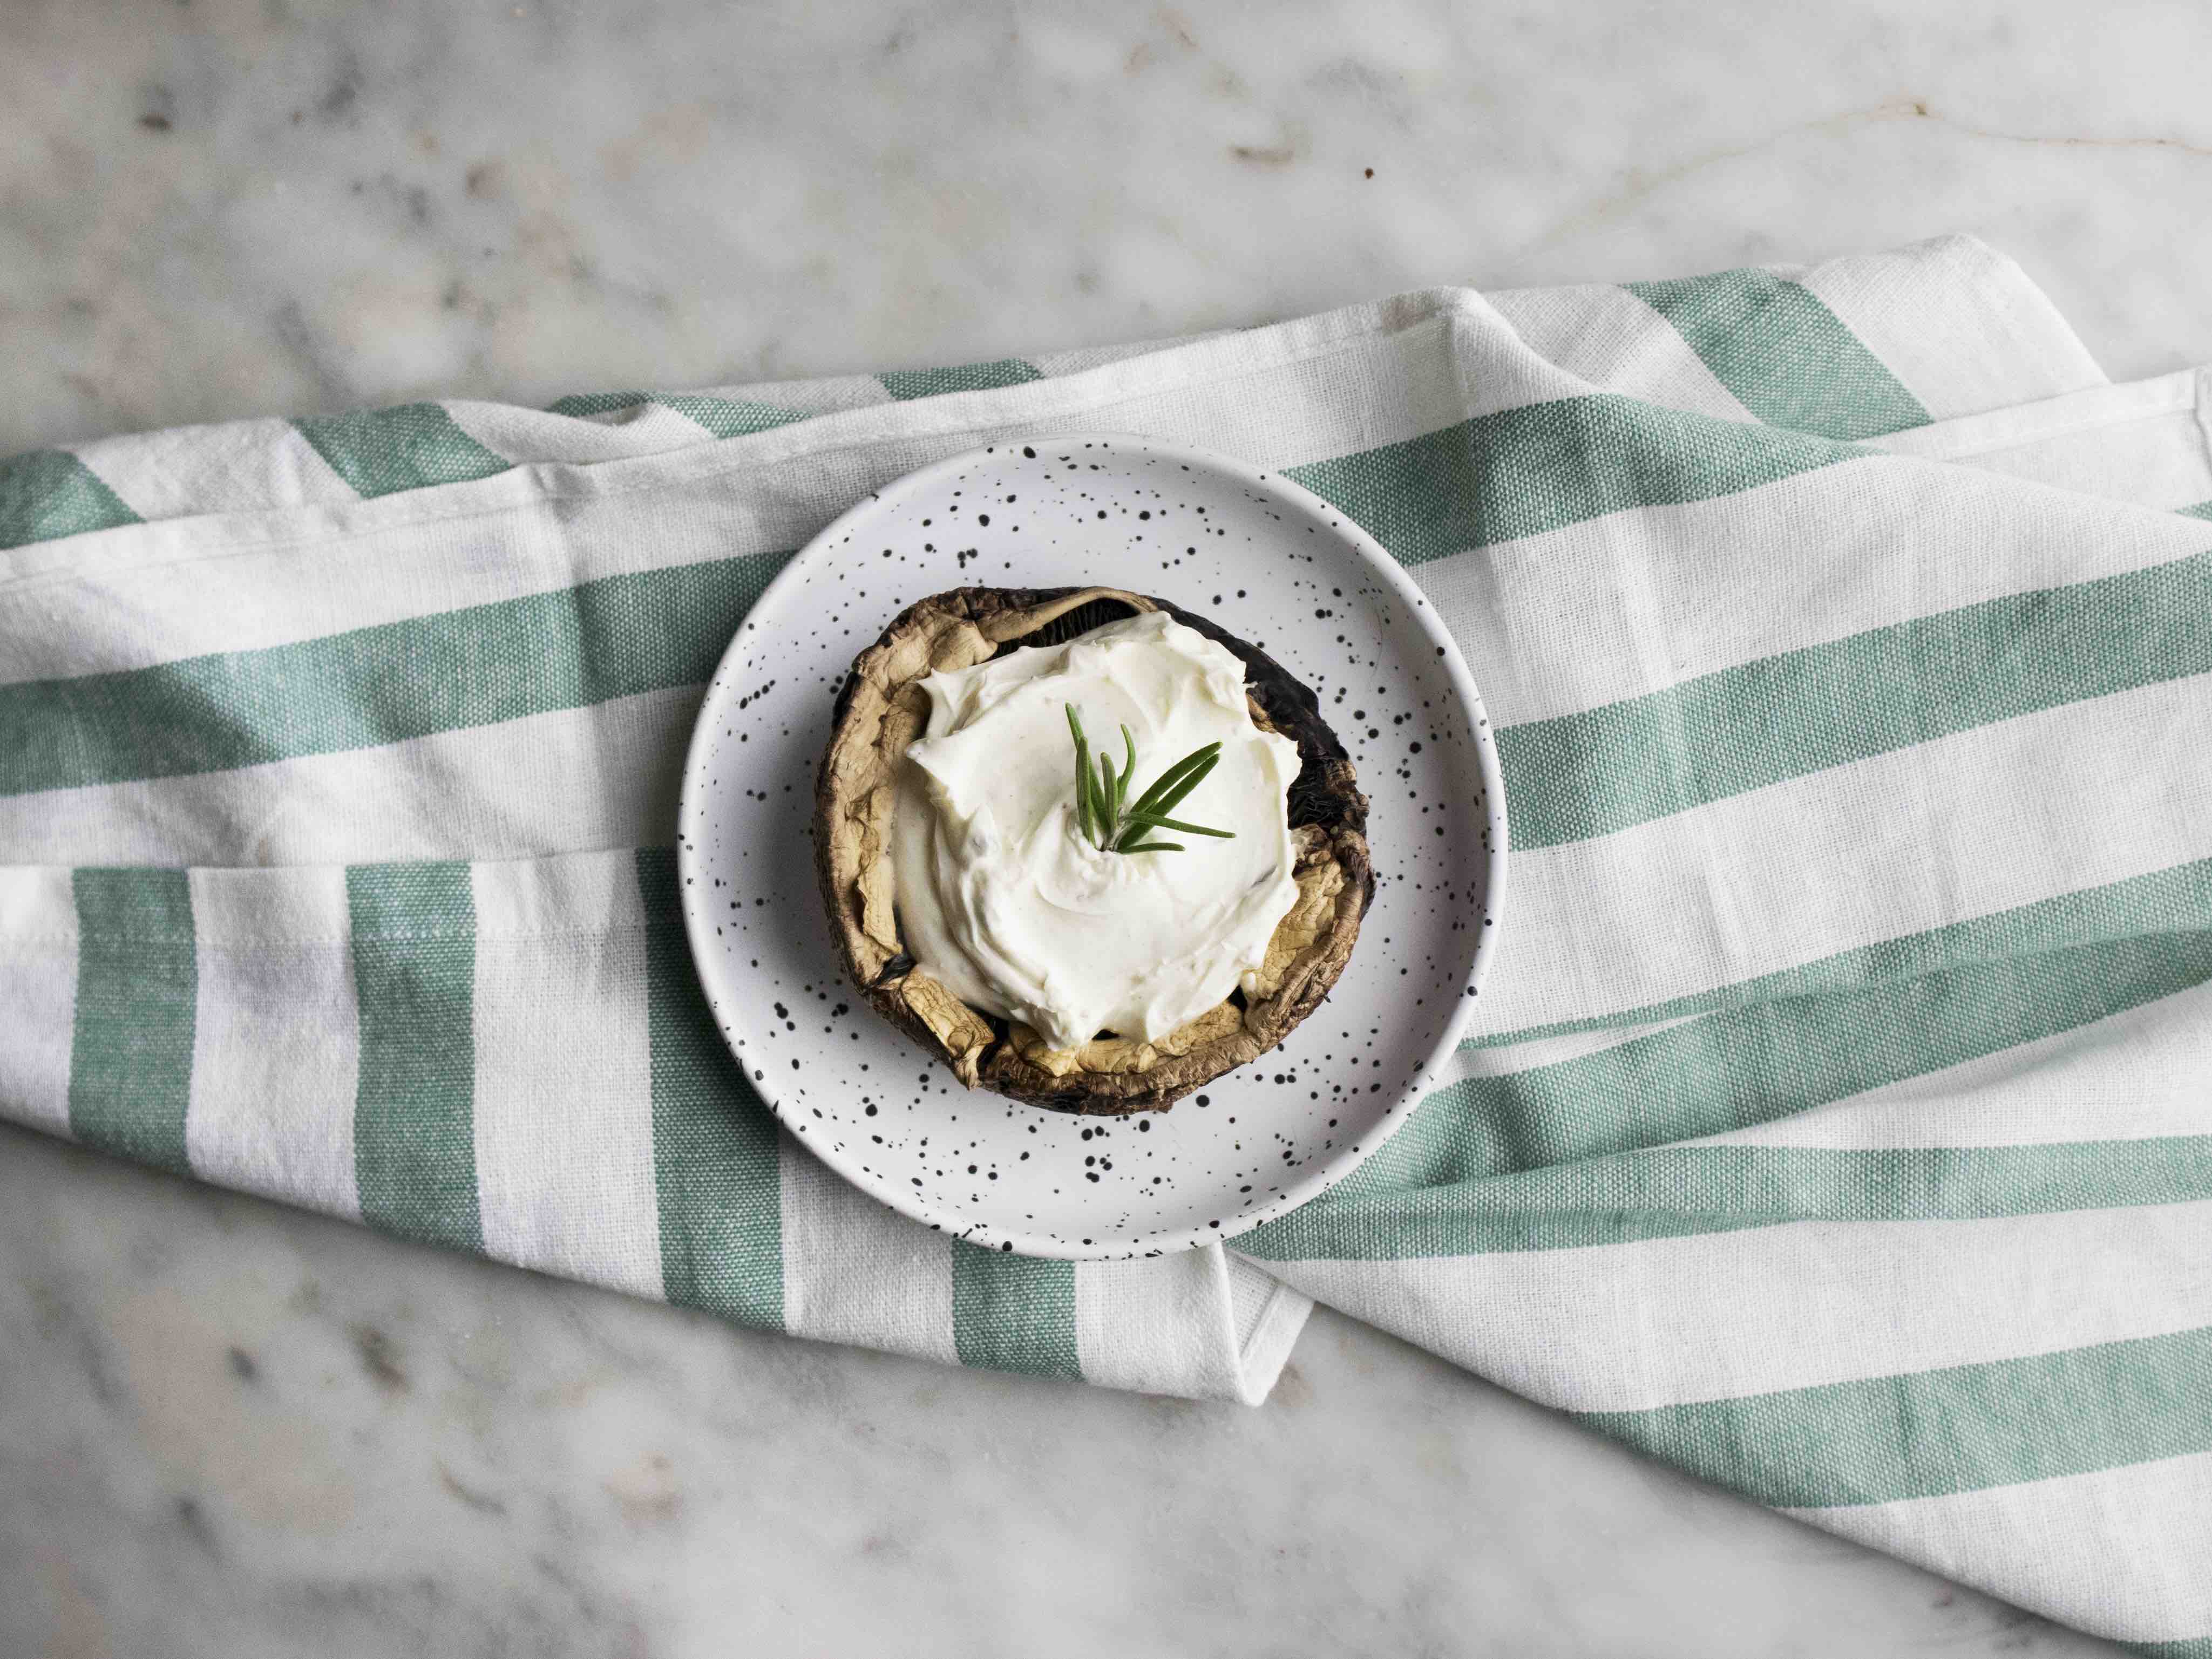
(1837, 1127)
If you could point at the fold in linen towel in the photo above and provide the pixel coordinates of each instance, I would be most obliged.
(1834, 1127)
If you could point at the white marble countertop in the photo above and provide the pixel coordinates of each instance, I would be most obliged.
(229, 1429)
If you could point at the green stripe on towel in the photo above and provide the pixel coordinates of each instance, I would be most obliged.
(49, 493)
(731, 417)
(715, 1164)
(1742, 1066)
(1786, 357)
(725, 417)
(381, 452)
(1544, 466)
(1612, 767)
(1013, 1313)
(904, 384)
(1926, 1433)
(2174, 900)
(1671, 1192)
(137, 989)
(414, 1129)
(585, 403)
(457, 669)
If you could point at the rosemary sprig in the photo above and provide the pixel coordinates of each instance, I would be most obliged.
(1111, 826)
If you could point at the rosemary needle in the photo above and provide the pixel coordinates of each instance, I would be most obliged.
(1114, 827)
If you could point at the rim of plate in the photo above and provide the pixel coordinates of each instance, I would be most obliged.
(1325, 1174)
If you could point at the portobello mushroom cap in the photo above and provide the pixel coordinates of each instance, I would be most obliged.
(882, 708)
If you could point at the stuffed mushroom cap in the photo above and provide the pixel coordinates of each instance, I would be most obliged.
(882, 708)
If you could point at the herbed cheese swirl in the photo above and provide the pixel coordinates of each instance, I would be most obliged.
(1004, 902)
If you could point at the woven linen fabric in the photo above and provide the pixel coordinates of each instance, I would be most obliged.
(1835, 1126)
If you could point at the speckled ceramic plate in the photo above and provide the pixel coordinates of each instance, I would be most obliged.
(1269, 561)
